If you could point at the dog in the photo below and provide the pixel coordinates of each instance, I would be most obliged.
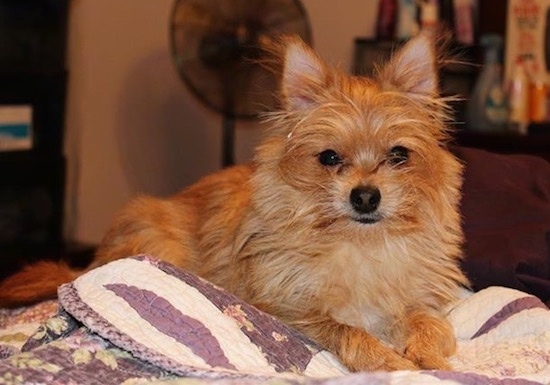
(345, 225)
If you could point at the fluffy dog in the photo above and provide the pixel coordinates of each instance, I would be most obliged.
(345, 225)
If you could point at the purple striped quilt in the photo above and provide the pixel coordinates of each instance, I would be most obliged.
(139, 319)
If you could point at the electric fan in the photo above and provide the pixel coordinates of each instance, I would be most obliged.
(215, 46)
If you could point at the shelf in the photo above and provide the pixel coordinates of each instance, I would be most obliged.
(33, 72)
(536, 143)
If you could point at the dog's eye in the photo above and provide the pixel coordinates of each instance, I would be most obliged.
(329, 158)
(398, 155)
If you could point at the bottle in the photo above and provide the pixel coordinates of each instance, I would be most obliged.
(464, 21)
(407, 26)
(518, 98)
(486, 110)
(537, 95)
(429, 14)
(387, 14)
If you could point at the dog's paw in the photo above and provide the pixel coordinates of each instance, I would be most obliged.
(384, 359)
(428, 360)
(377, 357)
(430, 342)
(397, 362)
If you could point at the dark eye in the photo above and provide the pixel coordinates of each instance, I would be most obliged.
(398, 155)
(329, 158)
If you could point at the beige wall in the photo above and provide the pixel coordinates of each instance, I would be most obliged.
(132, 127)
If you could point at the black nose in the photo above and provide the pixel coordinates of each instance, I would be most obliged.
(365, 199)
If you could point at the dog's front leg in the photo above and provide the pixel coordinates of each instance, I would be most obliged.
(356, 348)
(430, 340)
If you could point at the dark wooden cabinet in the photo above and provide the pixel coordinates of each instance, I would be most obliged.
(33, 35)
(33, 38)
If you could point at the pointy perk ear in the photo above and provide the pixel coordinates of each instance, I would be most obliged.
(413, 69)
(304, 76)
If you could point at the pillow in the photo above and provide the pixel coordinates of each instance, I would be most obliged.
(506, 221)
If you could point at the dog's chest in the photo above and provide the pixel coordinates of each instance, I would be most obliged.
(371, 287)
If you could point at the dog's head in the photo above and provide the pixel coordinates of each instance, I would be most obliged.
(349, 152)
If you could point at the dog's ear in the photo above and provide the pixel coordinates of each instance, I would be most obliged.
(304, 76)
(414, 68)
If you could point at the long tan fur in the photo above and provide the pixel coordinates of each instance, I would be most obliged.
(366, 275)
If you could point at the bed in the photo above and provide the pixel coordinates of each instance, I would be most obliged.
(140, 320)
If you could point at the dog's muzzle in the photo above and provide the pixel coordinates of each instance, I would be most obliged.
(365, 201)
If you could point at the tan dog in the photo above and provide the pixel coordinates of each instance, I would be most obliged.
(345, 225)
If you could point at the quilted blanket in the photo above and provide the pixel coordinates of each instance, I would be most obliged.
(141, 320)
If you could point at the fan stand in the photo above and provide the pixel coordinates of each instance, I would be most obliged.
(228, 140)
(231, 81)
